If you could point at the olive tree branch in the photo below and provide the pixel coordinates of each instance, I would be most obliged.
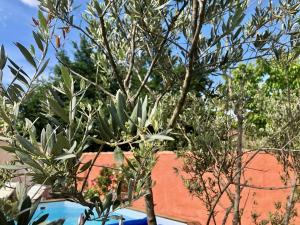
(199, 16)
(159, 51)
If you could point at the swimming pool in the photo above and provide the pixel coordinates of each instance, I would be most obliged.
(71, 211)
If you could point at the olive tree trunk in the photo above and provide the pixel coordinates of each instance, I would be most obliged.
(239, 153)
(290, 204)
(149, 202)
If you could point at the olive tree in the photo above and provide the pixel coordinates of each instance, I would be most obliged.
(53, 157)
(217, 139)
(279, 134)
(158, 47)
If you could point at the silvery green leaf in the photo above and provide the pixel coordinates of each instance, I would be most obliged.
(18, 75)
(38, 40)
(3, 57)
(60, 144)
(105, 129)
(26, 144)
(159, 137)
(16, 109)
(73, 147)
(151, 116)
(44, 66)
(21, 190)
(114, 118)
(163, 5)
(13, 167)
(144, 111)
(73, 108)
(26, 54)
(85, 166)
(43, 139)
(18, 68)
(1, 76)
(58, 110)
(28, 160)
(133, 120)
(67, 81)
(66, 156)
(121, 108)
(118, 155)
(50, 139)
(42, 20)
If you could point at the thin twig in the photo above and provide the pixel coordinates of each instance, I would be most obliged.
(198, 23)
(159, 51)
(131, 60)
(110, 56)
(91, 167)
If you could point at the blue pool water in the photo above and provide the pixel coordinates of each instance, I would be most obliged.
(71, 211)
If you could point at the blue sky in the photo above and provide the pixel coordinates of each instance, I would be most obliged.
(16, 26)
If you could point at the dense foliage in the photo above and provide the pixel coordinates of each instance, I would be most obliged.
(269, 106)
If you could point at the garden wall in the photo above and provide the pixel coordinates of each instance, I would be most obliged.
(173, 200)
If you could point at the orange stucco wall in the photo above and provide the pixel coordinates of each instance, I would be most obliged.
(173, 200)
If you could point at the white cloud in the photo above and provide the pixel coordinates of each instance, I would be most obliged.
(32, 3)
(3, 19)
